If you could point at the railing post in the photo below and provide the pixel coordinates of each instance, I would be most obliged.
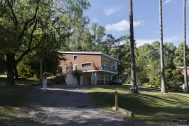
(116, 100)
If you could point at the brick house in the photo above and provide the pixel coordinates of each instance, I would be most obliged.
(98, 68)
(181, 68)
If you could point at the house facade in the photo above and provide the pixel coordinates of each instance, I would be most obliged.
(98, 68)
(181, 68)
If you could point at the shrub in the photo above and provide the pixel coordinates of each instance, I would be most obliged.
(60, 79)
(174, 78)
(77, 74)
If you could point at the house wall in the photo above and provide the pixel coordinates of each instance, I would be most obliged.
(70, 79)
(95, 61)
(182, 70)
(109, 64)
(98, 68)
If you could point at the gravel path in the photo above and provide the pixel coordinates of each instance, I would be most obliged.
(63, 105)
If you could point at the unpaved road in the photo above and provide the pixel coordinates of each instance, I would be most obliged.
(63, 105)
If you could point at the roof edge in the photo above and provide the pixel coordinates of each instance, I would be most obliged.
(84, 52)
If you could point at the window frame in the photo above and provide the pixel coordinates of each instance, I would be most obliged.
(86, 63)
(74, 57)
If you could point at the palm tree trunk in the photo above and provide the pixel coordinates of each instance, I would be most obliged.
(163, 82)
(184, 51)
(133, 67)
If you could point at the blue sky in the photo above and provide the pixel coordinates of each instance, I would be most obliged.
(114, 15)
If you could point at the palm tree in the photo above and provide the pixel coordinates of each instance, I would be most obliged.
(184, 51)
(163, 83)
(133, 67)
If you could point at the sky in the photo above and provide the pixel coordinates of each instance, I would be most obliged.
(114, 16)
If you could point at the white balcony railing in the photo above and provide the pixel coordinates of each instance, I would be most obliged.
(109, 69)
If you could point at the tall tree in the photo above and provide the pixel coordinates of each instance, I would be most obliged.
(184, 51)
(133, 67)
(178, 55)
(31, 29)
(169, 52)
(124, 54)
(163, 82)
(98, 33)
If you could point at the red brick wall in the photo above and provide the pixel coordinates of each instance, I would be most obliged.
(82, 58)
(182, 70)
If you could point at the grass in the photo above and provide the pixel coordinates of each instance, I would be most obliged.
(12, 97)
(149, 106)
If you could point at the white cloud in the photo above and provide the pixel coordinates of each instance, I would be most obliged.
(121, 26)
(167, 1)
(140, 42)
(110, 11)
(95, 19)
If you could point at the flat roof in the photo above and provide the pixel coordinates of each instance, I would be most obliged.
(85, 52)
(181, 67)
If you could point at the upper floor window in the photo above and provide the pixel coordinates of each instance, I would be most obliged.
(74, 57)
(86, 64)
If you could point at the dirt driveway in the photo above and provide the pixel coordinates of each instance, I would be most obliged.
(63, 105)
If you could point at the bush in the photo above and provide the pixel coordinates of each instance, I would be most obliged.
(60, 79)
(77, 74)
(174, 79)
(155, 81)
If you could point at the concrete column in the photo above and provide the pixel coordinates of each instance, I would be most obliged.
(81, 79)
(95, 78)
(104, 78)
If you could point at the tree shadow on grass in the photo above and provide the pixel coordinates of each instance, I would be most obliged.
(51, 107)
(146, 108)
(66, 97)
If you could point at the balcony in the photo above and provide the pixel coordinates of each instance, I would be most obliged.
(109, 69)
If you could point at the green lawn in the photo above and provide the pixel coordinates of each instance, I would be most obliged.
(149, 106)
(12, 97)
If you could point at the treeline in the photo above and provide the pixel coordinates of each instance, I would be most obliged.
(29, 37)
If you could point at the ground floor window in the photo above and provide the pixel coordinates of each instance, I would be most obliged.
(66, 68)
(100, 75)
(107, 76)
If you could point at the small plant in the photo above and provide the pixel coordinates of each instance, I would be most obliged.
(77, 74)
(60, 79)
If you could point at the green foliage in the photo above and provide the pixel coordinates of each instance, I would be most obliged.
(178, 60)
(169, 55)
(174, 79)
(148, 63)
(77, 74)
(155, 81)
(30, 66)
(3, 64)
(29, 25)
(123, 54)
(12, 98)
(60, 79)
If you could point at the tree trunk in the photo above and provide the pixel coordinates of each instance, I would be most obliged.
(15, 68)
(163, 82)
(15, 72)
(133, 67)
(10, 69)
(184, 51)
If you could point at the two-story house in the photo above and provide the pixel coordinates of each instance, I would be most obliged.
(98, 68)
